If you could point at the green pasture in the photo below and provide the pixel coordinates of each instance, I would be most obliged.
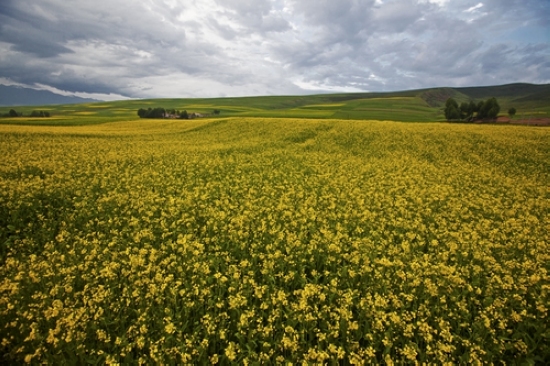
(426, 105)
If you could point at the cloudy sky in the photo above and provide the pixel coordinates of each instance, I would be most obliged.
(110, 49)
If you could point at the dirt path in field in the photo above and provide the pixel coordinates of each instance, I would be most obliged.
(525, 121)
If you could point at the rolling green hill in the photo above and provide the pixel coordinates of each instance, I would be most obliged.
(526, 98)
(425, 105)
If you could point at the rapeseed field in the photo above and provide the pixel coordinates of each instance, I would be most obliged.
(269, 241)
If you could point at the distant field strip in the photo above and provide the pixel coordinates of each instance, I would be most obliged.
(272, 241)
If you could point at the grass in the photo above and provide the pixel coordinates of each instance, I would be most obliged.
(411, 106)
(271, 240)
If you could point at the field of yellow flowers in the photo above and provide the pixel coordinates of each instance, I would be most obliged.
(258, 241)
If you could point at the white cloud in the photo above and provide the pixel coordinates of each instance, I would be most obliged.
(474, 8)
(437, 2)
(319, 86)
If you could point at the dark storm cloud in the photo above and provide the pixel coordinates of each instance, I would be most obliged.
(154, 48)
(30, 34)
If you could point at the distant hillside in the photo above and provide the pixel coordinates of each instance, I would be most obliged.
(520, 93)
(509, 91)
(422, 105)
(17, 96)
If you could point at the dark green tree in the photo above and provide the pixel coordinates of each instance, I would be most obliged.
(142, 113)
(13, 113)
(152, 113)
(184, 115)
(479, 107)
(158, 113)
(473, 106)
(512, 112)
(463, 110)
(40, 113)
(489, 109)
(451, 110)
(467, 110)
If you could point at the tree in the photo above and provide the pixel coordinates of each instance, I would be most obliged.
(512, 112)
(472, 108)
(479, 107)
(40, 114)
(158, 113)
(161, 113)
(494, 110)
(142, 113)
(13, 113)
(451, 110)
(152, 113)
(467, 110)
(489, 109)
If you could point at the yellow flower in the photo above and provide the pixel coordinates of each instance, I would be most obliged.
(170, 328)
(231, 352)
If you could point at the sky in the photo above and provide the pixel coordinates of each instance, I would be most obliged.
(117, 49)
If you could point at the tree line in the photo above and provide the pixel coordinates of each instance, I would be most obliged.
(160, 112)
(483, 110)
(14, 113)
